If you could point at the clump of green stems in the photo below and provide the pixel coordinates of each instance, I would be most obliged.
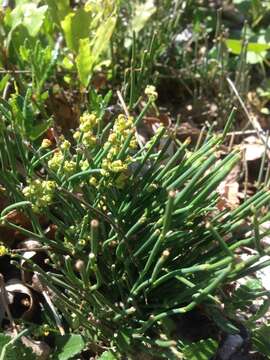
(124, 260)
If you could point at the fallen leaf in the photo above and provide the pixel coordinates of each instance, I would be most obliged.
(253, 148)
(229, 190)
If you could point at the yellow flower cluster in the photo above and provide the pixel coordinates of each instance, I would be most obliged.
(69, 167)
(84, 164)
(58, 159)
(151, 92)
(46, 143)
(65, 145)
(122, 129)
(40, 193)
(88, 124)
(3, 250)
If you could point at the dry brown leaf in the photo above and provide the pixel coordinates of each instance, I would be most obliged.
(253, 148)
(64, 107)
(229, 190)
(98, 81)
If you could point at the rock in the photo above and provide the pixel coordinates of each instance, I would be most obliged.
(229, 347)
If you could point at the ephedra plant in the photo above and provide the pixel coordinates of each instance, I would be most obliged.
(139, 237)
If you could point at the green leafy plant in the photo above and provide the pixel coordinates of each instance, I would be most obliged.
(12, 348)
(68, 346)
(135, 233)
(140, 240)
(87, 32)
(260, 338)
(204, 350)
(240, 303)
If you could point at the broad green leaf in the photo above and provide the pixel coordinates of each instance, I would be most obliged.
(76, 26)
(20, 2)
(256, 52)
(107, 355)
(37, 130)
(83, 61)
(142, 13)
(89, 52)
(68, 346)
(4, 81)
(235, 46)
(261, 340)
(24, 117)
(201, 350)
(29, 15)
(102, 38)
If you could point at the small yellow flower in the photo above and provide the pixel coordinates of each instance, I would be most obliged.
(93, 181)
(3, 250)
(69, 167)
(105, 173)
(88, 122)
(89, 139)
(133, 143)
(84, 127)
(112, 138)
(151, 93)
(117, 166)
(84, 165)
(40, 193)
(46, 143)
(55, 162)
(65, 145)
(105, 164)
(49, 185)
(76, 135)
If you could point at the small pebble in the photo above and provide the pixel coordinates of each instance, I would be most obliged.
(230, 346)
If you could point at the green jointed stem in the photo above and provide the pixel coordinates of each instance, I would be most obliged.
(159, 265)
(70, 272)
(228, 124)
(132, 230)
(193, 269)
(199, 173)
(221, 241)
(148, 242)
(81, 175)
(214, 182)
(257, 237)
(20, 204)
(94, 237)
(203, 293)
(149, 151)
(173, 159)
(165, 228)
